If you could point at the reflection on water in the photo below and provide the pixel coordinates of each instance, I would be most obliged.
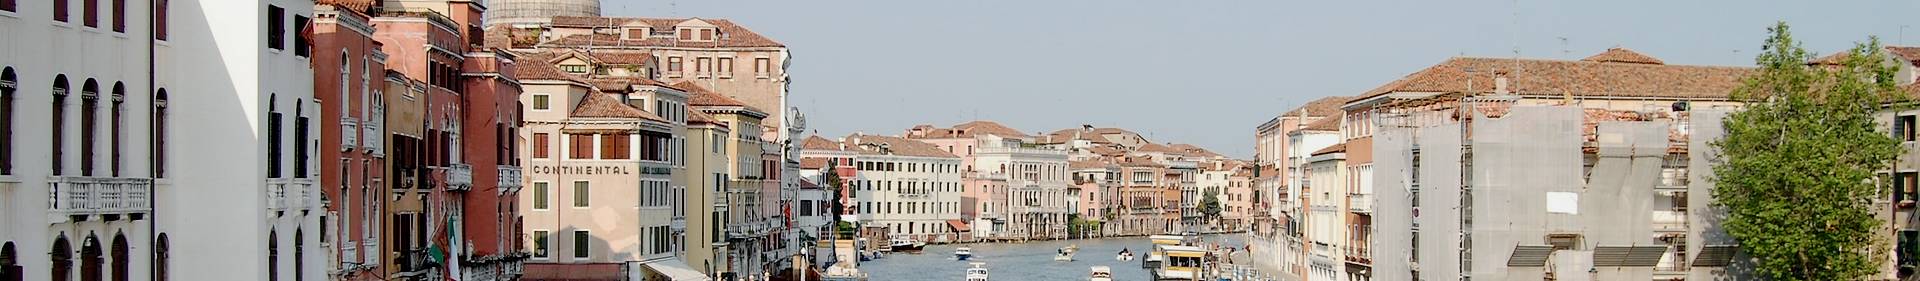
(1023, 261)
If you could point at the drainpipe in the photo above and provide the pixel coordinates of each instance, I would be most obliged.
(153, 227)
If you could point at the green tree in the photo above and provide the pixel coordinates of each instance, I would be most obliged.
(1210, 204)
(1798, 173)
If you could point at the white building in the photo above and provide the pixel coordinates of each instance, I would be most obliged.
(1037, 202)
(92, 147)
(910, 187)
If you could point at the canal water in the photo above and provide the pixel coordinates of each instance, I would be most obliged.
(1024, 261)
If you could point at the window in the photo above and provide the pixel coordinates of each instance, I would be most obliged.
(60, 10)
(301, 45)
(636, 34)
(10, 6)
(276, 28)
(725, 67)
(1904, 186)
(7, 86)
(113, 138)
(1903, 127)
(539, 244)
(673, 66)
(706, 34)
(89, 108)
(90, 13)
(273, 138)
(1564, 241)
(763, 65)
(580, 194)
(300, 140)
(59, 122)
(62, 258)
(159, 19)
(273, 255)
(299, 254)
(540, 195)
(580, 244)
(581, 146)
(615, 146)
(686, 34)
(159, 258)
(159, 132)
(120, 16)
(574, 68)
(540, 149)
(703, 66)
(540, 101)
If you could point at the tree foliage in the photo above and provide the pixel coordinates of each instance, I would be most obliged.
(1798, 173)
(1210, 203)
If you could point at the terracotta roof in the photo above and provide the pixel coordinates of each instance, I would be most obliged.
(701, 96)
(1833, 59)
(1103, 150)
(1138, 162)
(1324, 125)
(818, 143)
(1578, 78)
(813, 163)
(1910, 54)
(695, 116)
(990, 127)
(621, 57)
(604, 105)
(355, 5)
(534, 66)
(872, 145)
(1088, 164)
(731, 35)
(621, 84)
(1155, 147)
(1335, 148)
(1195, 150)
(1623, 55)
(1327, 106)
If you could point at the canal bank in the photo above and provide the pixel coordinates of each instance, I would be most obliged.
(1026, 261)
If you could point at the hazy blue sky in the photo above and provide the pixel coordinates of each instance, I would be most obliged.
(1207, 72)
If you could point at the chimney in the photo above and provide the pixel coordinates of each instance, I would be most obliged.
(1500, 83)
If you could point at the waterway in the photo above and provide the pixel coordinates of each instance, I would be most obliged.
(1025, 261)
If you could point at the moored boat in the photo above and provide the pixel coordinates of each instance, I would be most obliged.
(1101, 273)
(906, 244)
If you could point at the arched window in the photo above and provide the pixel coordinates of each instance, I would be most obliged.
(62, 258)
(120, 261)
(59, 122)
(159, 133)
(8, 83)
(273, 255)
(120, 16)
(300, 139)
(299, 254)
(273, 136)
(90, 259)
(160, 254)
(9, 264)
(119, 105)
(345, 70)
(89, 110)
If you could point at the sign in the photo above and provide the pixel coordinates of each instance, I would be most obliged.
(581, 170)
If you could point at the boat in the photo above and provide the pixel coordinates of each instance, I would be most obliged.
(1182, 263)
(843, 271)
(963, 253)
(977, 271)
(1066, 254)
(905, 244)
(1124, 255)
(1101, 273)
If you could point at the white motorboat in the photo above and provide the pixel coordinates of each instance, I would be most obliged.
(905, 244)
(1101, 273)
(978, 272)
(1066, 254)
(963, 253)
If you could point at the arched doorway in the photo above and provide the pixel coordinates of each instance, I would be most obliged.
(273, 255)
(91, 259)
(160, 258)
(121, 264)
(62, 258)
(9, 265)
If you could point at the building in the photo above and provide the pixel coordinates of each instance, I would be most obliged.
(98, 162)
(751, 216)
(705, 240)
(1036, 199)
(1098, 184)
(1598, 185)
(1323, 188)
(1229, 181)
(348, 87)
(912, 188)
(534, 13)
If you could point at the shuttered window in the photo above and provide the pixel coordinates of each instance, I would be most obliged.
(582, 147)
(540, 147)
(615, 146)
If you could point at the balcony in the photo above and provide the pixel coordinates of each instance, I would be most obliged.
(290, 194)
(459, 177)
(80, 196)
(349, 133)
(510, 177)
(376, 138)
(1360, 203)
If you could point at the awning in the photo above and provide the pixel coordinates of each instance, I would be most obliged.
(958, 226)
(675, 270)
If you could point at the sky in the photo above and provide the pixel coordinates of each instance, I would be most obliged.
(1208, 72)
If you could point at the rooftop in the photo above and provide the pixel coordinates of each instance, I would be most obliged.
(730, 34)
(1615, 73)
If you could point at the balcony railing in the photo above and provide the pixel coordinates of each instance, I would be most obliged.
(74, 196)
(349, 133)
(1360, 203)
(290, 194)
(510, 176)
(459, 177)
